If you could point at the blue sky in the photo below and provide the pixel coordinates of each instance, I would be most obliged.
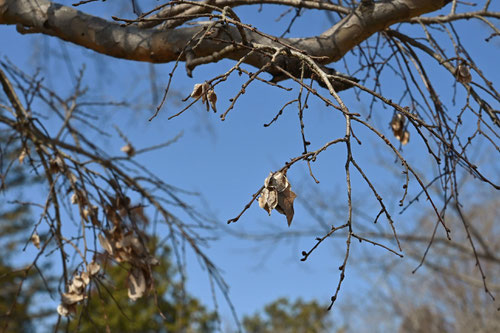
(226, 162)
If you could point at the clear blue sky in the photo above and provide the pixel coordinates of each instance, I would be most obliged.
(228, 161)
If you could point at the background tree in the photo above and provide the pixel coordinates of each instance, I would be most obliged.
(442, 109)
(109, 308)
(447, 295)
(284, 316)
(19, 287)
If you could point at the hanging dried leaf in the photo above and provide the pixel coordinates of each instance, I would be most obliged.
(93, 268)
(62, 310)
(78, 283)
(128, 149)
(198, 90)
(397, 123)
(136, 284)
(398, 128)
(277, 193)
(72, 298)
(85, 278)
(22, 156)
(212, 98)
(406, 138)
(277, 181)
(55, 165)
(285, 204)
(462, 73)
(74, 198)
(72, 178)
(137, 245)
(105, 244)
(92, 213)
(207, 94)
(153, 261)
(268, 200)
(35, 239)
(122, 256)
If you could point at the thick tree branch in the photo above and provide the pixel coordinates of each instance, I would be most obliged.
(129, 42)
(186, 9)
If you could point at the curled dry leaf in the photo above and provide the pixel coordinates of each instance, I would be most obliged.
(212, 98)
(277, 194)
(398, 128)
(93, 268)
(55, 165)
(397, 123)
(277, 181)
(92, 213)
(136, 284)
(406, 138)
(78, 282)
(35, 239)
(85, 278)
(199, 90)
(62, 310)
(130, 242)
(462, 73)
(128, 149)
(22, 156)
(74, 198)
(153, 261)
(285, 204)
(106, 245)
(268, 200)
(72, 298)
(72, 178)
(207, 95)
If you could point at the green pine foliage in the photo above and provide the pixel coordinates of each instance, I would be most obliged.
(110, 309)
(286, 317)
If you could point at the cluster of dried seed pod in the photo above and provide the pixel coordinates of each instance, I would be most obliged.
(206, 93)
(76, 290)
(277, 194)
(126, 246)
(88, 211)
(398, 128)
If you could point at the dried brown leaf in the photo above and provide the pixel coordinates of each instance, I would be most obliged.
(62, 310)
(72, 298)
(55, 165)
(72, 178)
(128, 149)
(93, 268)
(197, 90)
(78, 282)
(105, 244)
(85, 278)
(35, 239)
(22, 156)
(212, 98)
(268, 199)
(74, 198)
(398, 128)
(277, 181)
(136, 284)
(397, 123)
(406, 137)
(92, 213)
(285, 204)
(462, 73)
(277, 193)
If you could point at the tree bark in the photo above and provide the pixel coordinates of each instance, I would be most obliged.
(162, 46)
